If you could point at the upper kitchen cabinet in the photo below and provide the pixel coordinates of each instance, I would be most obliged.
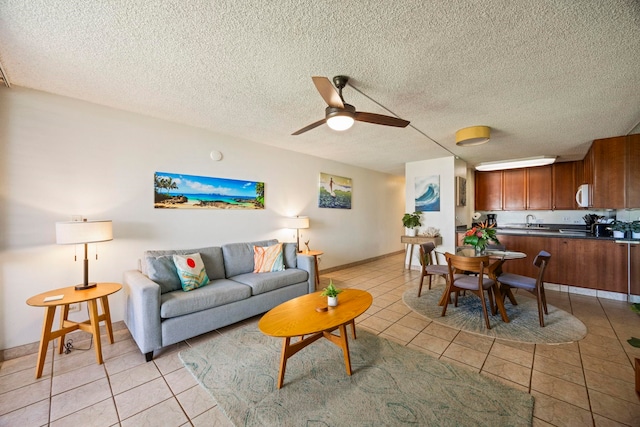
(615, 175)
(539, 188)
(514, 189)
(488, 194)
(565, 178)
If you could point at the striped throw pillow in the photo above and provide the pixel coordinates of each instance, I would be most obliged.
(267, 258)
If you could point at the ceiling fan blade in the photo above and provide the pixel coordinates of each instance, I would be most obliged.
(328, 92)
(309, 127)
(379, 119)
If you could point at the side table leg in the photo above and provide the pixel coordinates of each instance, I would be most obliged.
(49, 314)
(107, 317)
(95, 328)
(64, 315)
(315, 261)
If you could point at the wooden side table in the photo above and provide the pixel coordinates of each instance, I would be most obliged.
(71, 296)
(410, 241)
(315, 255)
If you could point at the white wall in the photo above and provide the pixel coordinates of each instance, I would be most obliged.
(61, 157)
(444, 219)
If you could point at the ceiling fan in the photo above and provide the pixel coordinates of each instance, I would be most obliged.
(339, 115)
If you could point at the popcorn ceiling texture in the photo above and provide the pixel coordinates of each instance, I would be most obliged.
(548, 77)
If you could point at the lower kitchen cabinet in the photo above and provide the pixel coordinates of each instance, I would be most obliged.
(634, 268)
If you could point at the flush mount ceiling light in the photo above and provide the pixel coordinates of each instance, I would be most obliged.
(474, 135)
(516, 163)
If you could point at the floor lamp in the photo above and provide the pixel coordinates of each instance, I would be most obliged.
(83, 232)
(297, 223)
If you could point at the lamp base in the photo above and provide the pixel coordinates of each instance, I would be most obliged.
(83, 286)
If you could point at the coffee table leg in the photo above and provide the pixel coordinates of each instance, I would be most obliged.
(283, 360)
(49, 314)
(344, 344)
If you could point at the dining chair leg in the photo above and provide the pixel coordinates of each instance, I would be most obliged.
(484, 309)
(447, 293)
(544, 298)
(430, 276)
(540, 307)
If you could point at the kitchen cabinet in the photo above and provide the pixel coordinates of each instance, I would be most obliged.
(488, 191)
(539, 188)
(614, 172)
(514, 189)
(565, 181)
(634, 268)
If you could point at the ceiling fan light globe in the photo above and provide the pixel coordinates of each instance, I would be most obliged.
(340, 122)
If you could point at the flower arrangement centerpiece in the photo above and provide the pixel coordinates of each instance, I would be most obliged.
(479, 236)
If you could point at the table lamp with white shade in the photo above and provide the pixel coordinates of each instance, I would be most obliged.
(296, 223)
(83, 232)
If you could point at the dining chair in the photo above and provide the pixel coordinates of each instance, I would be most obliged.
(530, 284)
(430, 266)
(457, 282)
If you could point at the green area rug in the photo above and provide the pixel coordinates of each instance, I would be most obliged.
(560, 326)
(391, 385)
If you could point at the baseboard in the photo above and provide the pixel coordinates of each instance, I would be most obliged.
(356, 263)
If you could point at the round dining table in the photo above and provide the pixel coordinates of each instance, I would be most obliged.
(499, 257)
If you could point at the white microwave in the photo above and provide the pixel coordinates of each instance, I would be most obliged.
(582, 196)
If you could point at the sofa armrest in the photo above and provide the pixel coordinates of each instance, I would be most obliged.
(307, 263)
(142, 310)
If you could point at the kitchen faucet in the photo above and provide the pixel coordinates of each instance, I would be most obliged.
(529, 218)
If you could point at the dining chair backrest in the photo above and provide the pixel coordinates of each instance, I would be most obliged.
(541, 261)
(426, 253)
(474, 264)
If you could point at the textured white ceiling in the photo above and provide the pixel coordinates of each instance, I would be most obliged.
(547, 76)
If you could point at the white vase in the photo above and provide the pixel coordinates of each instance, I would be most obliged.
(618, 234)
(411, 232)
(332, 301)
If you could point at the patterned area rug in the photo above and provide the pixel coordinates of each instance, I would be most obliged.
(390, 385)
(559, 326)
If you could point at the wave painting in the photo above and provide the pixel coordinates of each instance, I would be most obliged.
(427, 190)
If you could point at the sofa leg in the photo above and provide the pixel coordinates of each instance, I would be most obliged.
(149, 356)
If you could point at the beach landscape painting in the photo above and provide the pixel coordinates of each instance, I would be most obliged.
(427, 191)
(180, 191)
(335, 192)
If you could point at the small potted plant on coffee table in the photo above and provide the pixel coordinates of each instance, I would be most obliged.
(331, 292)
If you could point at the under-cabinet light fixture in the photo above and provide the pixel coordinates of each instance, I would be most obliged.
(516, 163)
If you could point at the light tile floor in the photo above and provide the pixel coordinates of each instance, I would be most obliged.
(589, 383)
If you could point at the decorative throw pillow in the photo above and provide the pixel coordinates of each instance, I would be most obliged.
(191, 271)
(267, 258)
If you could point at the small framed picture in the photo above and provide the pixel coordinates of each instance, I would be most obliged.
(461, 191)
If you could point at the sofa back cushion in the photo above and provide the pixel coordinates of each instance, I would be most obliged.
(159, 266)
(238, 257)
(290, 252)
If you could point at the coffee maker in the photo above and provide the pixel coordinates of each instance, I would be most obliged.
(491, 220)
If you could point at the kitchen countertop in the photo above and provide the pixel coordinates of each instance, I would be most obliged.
(565, 231)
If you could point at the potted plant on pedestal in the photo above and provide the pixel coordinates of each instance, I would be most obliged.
(331, 292)
(410, 222)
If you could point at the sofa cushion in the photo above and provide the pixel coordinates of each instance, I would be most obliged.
(290, 252)
(191, 271)
(163, 271)
(218, 292)
(238, 257)
(265, 282)
(267, 258)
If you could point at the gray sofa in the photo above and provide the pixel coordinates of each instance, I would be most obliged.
(159, 313)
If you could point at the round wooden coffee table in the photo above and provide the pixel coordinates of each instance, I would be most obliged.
(301, 316)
